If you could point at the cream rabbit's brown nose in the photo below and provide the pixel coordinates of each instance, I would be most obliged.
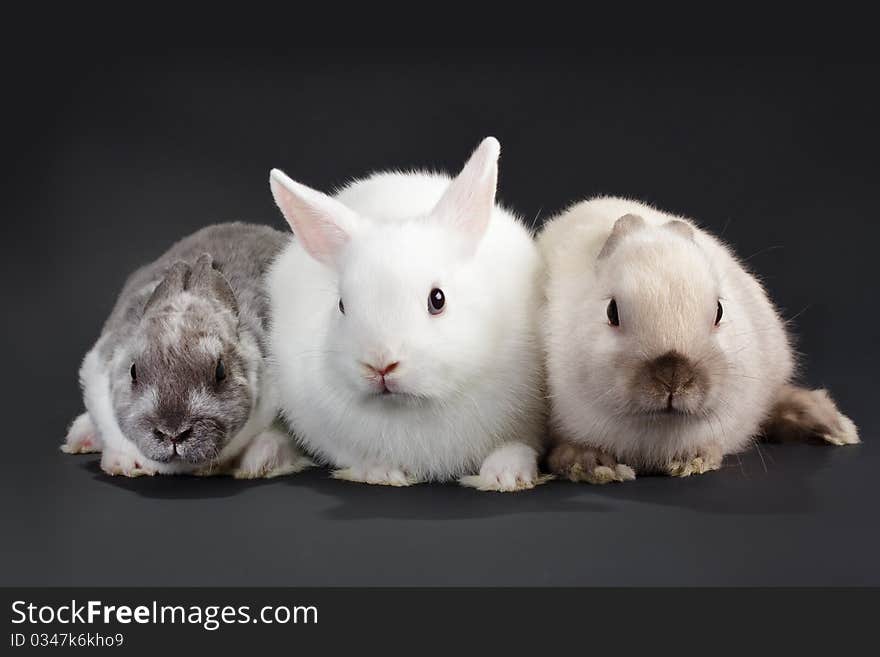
(672, 370)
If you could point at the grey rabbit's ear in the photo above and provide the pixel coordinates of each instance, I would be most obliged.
(681, 228)
(627, 224)
(209, 281)
(175, 281)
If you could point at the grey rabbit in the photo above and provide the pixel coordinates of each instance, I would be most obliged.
(177, 381)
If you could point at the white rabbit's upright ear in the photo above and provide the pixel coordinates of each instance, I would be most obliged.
(469, 200)
(322, 224)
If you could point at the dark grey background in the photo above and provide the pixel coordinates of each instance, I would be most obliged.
(112, 155)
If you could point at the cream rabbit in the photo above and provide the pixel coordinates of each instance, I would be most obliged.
(663, 352)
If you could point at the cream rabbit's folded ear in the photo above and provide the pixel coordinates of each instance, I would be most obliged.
(628, 223)
(468, 202)
(322, 224)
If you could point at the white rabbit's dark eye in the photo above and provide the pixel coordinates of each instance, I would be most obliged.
(134, 373)
(719, 314)
(341, 307)
(611, 311)
(220, 372)
(436, 301)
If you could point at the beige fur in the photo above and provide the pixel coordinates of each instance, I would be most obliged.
(665, 389)
(801, 414)
(583, 463)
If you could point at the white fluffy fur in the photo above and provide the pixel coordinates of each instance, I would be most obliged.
(472, 376)
(667, 287)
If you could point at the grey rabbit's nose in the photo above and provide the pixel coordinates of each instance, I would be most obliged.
(179, 437)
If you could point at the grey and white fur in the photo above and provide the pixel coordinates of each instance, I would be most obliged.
(177, 381)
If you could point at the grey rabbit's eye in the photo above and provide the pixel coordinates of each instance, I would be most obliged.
(220, 372)
(436, 301)
(133, 372)
(611, 311)
(341, 307)
(719, 314)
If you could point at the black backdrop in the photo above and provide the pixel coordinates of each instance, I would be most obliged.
(112, 155)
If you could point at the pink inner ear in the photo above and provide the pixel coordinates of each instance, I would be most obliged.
(310, 216)
(326, 240)
(470, 198)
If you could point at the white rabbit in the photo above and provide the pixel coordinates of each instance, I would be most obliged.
(663, 352)
(404, 328)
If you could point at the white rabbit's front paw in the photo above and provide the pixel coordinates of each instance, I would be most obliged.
(380, 475)
(82, 437)
(120, 463)
(509, 468)
(271, 454)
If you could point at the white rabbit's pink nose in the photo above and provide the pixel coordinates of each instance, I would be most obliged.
(383, 370)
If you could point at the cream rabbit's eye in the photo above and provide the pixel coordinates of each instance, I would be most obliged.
(719, 314)
(611, 311)
(436, 301)
(341, 307)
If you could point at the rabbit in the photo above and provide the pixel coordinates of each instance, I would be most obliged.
(177, 381)
(405, 332)
(663, 352)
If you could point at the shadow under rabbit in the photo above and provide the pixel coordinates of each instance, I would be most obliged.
(177, 486)
(439, 501)
(767, 479)
(431, 501)
(748, 484)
